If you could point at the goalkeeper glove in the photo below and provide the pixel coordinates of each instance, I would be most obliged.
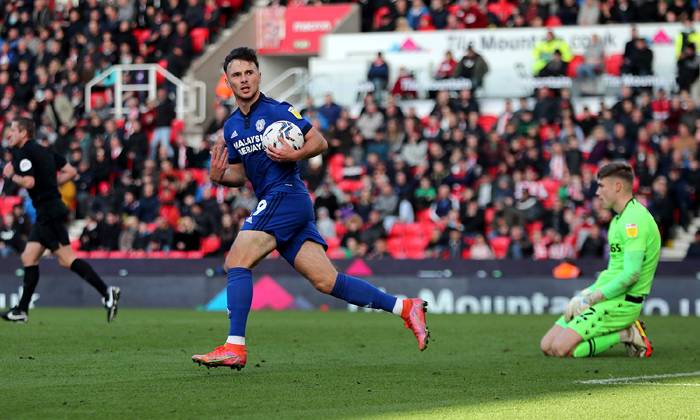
(578, 304)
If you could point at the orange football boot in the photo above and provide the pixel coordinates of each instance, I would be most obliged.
(228, 355)
(413, 314)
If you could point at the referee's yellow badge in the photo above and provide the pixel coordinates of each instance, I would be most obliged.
(631, 230)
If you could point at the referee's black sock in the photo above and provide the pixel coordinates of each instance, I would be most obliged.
(84, 270)
(31, 279)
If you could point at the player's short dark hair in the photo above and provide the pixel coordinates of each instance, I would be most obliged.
(26, 124)
(241, 53)
(621, 170)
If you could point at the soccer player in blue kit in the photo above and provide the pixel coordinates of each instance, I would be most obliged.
(284, 217)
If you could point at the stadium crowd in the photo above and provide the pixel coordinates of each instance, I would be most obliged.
(428, 15)
(456, 183)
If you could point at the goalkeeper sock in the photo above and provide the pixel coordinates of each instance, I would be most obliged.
(360, 293)
(239, 297)
(596, 345)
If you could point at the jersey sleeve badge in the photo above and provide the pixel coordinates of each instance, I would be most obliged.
(25, 165)
(631, 230)
(294, 112)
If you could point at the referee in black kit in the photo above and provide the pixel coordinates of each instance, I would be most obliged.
(35, 168)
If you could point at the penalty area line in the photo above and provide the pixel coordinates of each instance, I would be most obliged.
(642, 380)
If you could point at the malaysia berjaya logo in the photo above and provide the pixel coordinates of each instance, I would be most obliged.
(260, 125)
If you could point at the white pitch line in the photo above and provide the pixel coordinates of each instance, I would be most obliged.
(614, 381)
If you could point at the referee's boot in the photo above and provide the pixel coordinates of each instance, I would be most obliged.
(111, 302)
(413, 314)
(15, 315)
(639, 344)
(232, 356)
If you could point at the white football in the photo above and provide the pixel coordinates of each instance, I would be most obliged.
(280, 131)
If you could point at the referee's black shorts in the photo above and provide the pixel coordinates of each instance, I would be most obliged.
(50, 228)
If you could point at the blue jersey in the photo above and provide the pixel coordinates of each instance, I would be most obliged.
(243, 135)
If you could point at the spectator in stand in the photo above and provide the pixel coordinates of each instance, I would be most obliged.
(594, 244)
(417, 12)
(186, 238)
(164, 110)
(330, 110)
(378, 74)
(593, 59)
(544, 51)
(589, 13)
(161, 239)
(472, 66)
(403, 86)
(447, 67)
(638, 58)
(688, 68)
(519, 246)
(471, 14)
(480, 250)
(438, 14)
(556, 67)
(568, 12)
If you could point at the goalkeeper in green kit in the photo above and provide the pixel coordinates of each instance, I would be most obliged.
(606, 313)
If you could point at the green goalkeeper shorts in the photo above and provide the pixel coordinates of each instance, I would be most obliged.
(603, 318)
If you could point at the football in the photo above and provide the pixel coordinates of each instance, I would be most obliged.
(283, 131)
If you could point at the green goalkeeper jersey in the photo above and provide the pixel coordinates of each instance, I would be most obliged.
(634, 232)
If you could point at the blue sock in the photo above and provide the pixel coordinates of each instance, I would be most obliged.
(360, 293)
(239, 293)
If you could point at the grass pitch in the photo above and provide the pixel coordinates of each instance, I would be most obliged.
(68, 363)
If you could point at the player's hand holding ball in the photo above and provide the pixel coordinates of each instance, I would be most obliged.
(283, 141)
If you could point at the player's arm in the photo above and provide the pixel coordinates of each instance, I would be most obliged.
(222, 172)
(634, 250)
(314, 144)
(66, 173)
(23, 180)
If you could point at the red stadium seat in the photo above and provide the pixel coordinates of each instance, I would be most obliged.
(177, 254)
(210, 244)
(82, 254)
(200, 37)
(487, 122)
(195, 254)
(613, 64)
(335, 254)
(157, 255)
(576, 61)
(8, 203)
(500, 246)
(333, 243)
(99, 254)
(199, 175)
(176, 127)
(141, 35)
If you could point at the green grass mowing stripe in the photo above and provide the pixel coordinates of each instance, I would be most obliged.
(311, 364)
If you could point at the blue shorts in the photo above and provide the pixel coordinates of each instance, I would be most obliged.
(289, 217)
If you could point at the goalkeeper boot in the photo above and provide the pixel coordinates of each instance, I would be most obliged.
(111, 302)
(15, 315)
(413, 314)
(228, 355)
(640, 345)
